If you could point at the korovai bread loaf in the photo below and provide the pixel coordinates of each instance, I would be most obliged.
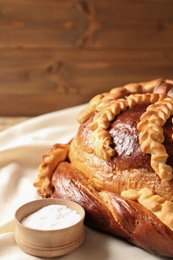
(119, 165)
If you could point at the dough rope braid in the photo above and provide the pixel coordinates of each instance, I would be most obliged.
(148, 98)
(161, 208)
(108, 105)
(107, 111)
(151, 135)
(150, 128)
(100, 136)
(117, 93)
(49, 163)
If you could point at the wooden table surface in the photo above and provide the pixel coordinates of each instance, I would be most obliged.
(6, 122)
(59, 54)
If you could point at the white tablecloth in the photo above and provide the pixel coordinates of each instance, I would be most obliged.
(21, 148)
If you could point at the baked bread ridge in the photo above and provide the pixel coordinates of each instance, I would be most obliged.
(122, 151)
(128, 169)
(111, 213)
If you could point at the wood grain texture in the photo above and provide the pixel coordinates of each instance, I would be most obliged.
(56, 54)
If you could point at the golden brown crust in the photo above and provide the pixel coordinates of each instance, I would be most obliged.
(48, 164)
(108, 105)
(157, 114)
(70, 183)
(130, 167)
(109, 212)
(163, 209)
(121, 162)
(151, 135)
(161, 85)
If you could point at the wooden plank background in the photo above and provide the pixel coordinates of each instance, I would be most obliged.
(59, 53)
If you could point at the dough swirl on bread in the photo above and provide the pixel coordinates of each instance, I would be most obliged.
(119, 165)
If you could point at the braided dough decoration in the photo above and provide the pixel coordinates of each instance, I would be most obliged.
(163, 209)
(56, 166)
(49, 163)
(157, 86)
(151, 135)
(150, 127)
(100, 137)
(105, 107)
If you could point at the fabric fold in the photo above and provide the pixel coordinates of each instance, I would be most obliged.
(21, 149)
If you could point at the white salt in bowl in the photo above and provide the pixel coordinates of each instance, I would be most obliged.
(52, 242)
